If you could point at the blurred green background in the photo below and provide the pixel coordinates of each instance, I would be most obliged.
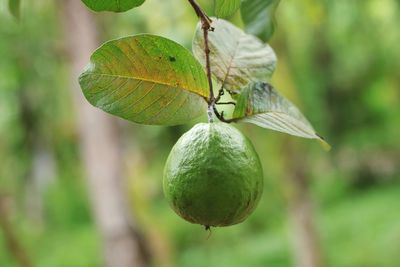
(338, 60)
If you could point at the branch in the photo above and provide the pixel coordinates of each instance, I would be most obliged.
(206, 27)
(206, 21)
(212, 100)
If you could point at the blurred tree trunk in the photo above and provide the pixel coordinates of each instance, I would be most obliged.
(13, 244)
(101, 150)
(41, 168)
(42, 172)
(301, 212)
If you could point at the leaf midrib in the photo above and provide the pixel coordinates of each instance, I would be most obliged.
(280, 113)
(296, 127)
(142, 79)
(230, 62)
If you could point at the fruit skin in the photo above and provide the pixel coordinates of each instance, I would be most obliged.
(213, 176)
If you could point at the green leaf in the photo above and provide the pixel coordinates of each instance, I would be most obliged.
(226, 8)
(261, 104)
(112, 5)
(259, 17)
(14, 6)
(146, 79)
(236, 57)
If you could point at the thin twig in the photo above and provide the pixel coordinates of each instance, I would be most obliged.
(212, 100)
(225, 103)
(221, 92)
(221, 117)
(201, 14)
(206, 27)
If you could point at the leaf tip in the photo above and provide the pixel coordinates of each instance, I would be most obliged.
(325, 145)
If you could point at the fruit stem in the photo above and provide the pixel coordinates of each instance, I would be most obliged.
(210, 114)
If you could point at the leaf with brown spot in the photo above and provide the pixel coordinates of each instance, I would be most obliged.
(135, 79)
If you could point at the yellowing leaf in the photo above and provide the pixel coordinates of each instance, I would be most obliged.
(146, 79)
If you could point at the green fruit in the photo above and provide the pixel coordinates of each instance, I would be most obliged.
(213, 176)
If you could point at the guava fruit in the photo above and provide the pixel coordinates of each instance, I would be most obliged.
(213, 176)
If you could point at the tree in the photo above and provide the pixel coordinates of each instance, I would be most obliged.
(305, 238)
(101, 151)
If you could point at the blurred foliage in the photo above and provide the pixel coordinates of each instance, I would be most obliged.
(338, 60)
